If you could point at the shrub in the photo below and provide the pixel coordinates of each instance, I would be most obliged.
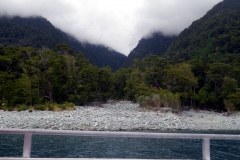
(3, 104)
(50, 106)
(165, 98)
(62, 106)
(175, 102)
(54, 106)
(142, 101)
(22, 107)
(66, 105)
(229, 106)
(40, 107)
(156, 100)
(10, 108)
(170, 100)
(149, 101)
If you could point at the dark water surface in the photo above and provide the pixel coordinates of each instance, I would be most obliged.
(93, 147)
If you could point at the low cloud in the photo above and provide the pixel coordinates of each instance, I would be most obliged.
(113, 23)
(172, 16)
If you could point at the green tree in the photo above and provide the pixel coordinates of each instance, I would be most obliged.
(135, 86)
(104, 84)
(229, 86)
(180, 78)
(119, 82)
(216, 73)
(155, 69)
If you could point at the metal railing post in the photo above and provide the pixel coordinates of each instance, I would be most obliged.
(27, 145)
(206, 149)
(29, 132)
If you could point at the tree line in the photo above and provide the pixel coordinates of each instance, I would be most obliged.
(29, 76)
(33, 77)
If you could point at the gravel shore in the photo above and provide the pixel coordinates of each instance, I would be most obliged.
(120, 116)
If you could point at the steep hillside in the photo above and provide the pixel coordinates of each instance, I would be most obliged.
(100, 54)
(157, 44)
(214, 35)
(39, 33)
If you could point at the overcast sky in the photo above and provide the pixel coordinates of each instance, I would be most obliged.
(118, 24)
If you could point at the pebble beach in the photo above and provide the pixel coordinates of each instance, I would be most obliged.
(118, 116)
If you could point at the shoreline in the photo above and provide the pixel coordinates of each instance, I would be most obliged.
(119, 116)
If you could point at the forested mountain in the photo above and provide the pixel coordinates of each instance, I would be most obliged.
(214, 35)
(157, 44)
(102, 56)
(39, 33)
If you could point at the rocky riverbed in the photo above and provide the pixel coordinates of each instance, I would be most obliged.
(118, 116)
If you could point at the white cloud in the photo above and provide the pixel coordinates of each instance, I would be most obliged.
(119, 24)
(171, 16)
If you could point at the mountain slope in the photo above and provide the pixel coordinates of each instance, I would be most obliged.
(39, 33)
(157, 44)
(215, 34)
(99, 55)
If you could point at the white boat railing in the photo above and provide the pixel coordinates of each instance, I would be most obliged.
(29, 132)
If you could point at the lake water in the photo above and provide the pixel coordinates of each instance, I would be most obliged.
(93, 147)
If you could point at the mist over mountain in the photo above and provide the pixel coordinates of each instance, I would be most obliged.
(214, 35)
(39, 33)
(156, 44)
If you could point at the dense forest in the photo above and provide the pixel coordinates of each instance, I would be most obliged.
(214, 35)
(32, 77)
